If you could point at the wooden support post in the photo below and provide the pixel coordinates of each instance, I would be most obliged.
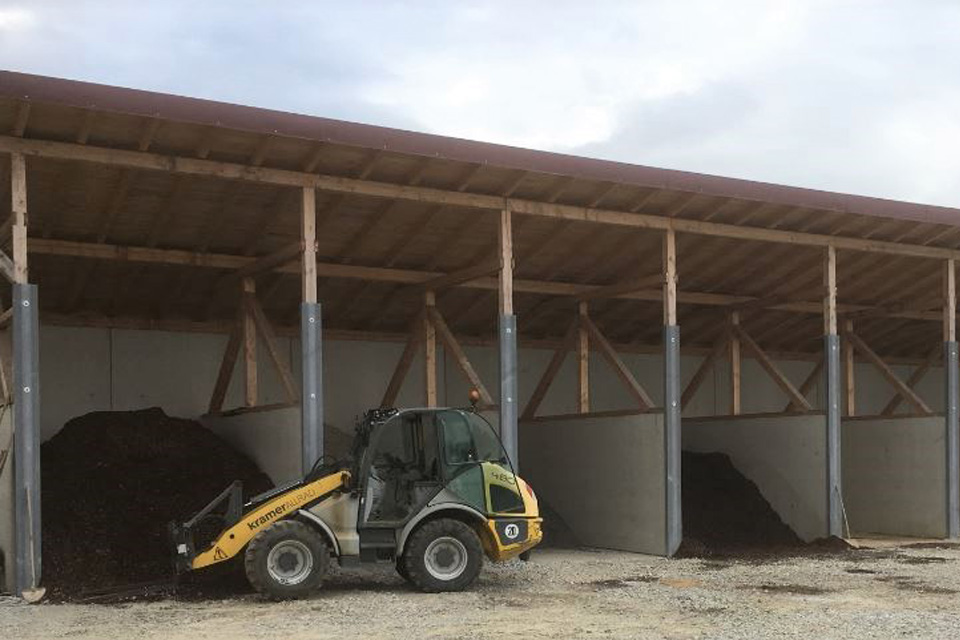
(670, 278)
(831, 394)
(429, 351)
(583, 360)
(311, 338)
(18, 188)
(951, 368)
(672, 396)
(949, 301)
(507, 342)
(308, 237)
(849, 371)
(249, 344)
(735, 365)
(506, 263)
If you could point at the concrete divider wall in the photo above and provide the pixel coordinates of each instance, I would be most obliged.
(785, 456)
(270, 438)
(894, 475)
(604, 475)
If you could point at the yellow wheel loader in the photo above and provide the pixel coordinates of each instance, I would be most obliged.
(431, 490)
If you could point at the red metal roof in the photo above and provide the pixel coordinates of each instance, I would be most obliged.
(266, 121)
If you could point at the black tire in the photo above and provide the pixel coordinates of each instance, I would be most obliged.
(402, 570)
(454, 550)
(296, 545)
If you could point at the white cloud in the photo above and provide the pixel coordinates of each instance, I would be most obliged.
(14, 19)
(849, 95)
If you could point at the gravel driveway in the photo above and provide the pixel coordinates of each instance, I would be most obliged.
(890, 593)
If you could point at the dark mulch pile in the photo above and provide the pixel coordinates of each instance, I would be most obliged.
(724, 514)
(112, 481)
(556, 533)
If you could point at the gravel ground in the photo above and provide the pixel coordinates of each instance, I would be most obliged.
(888, 593)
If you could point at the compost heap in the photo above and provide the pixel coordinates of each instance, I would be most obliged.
(113, 480)
(556, 532)
(725, 514)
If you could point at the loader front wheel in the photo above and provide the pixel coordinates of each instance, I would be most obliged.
(286, 560)
(443, 555)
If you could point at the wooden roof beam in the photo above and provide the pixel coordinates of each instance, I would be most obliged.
(225, 170)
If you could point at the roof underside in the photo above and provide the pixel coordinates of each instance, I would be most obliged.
(121, 206)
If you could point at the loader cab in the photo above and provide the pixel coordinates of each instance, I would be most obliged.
(419, 458)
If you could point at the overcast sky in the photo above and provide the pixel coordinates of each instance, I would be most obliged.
(858, 96)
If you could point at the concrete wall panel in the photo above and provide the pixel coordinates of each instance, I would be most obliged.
(894, 476)
(785, 456)
(603, 475)
(270, 438)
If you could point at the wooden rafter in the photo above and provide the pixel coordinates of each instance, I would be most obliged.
(150, 161)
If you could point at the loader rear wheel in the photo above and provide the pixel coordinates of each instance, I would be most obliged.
(286, 560)
(443, 555)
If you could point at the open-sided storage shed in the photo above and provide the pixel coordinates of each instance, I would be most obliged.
(134, 213)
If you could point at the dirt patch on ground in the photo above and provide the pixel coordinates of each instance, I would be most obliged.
(792, 589)
(112, 481)
(621, 583)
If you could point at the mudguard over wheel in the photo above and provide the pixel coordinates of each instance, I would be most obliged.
(286, 560)
(442, 555)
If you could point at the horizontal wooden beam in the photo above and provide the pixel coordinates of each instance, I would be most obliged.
(337, 184)
(621, 288)
(485, 268)
(98, 251)
(271, 261)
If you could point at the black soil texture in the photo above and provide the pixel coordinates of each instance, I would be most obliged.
(556, 533)
(112, 481)
(724, 514)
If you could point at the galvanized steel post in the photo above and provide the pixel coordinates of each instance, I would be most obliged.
(952, 379)
(26, 426)
(311, 396)
(508, 387)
